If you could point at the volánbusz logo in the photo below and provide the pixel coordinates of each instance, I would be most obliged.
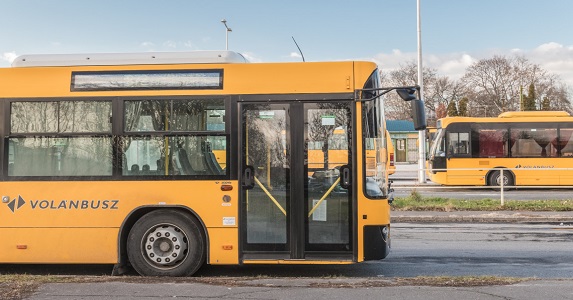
(74, 204)
(16, 203)
(64, 204)
(534, 167)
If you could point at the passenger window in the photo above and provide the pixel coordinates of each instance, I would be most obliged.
(458, 143)
(174, 156)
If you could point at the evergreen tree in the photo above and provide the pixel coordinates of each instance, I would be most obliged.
(463, 107)
(528, 102)
(452, 109)
(546, 104)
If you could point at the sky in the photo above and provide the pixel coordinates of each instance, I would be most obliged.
(455, 33)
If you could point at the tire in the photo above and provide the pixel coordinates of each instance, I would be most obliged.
(166, 243)
(494, 179)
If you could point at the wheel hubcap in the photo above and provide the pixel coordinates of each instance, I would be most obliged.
(165, 245)
(499, 179)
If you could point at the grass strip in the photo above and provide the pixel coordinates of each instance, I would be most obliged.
(417, 202)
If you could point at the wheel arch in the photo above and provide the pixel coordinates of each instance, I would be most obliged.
(136, 214)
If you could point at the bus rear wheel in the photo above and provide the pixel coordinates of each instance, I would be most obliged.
(495, 179)
(166, 243)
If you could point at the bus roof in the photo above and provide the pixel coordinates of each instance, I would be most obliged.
(511, 116)
(58, 76)
(538, 114)
(145, 58)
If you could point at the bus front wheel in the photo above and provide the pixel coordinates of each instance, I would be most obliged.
(166, 243)
(495, 179)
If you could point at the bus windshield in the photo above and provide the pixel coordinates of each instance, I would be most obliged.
(438, 145)
(374, 142)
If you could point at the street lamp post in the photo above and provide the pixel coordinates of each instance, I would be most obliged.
(227, 30)
(421, 133)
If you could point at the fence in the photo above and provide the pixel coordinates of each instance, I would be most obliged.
(412, 172)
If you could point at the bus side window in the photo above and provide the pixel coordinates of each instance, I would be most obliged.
(458, 143)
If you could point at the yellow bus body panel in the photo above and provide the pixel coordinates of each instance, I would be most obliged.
(87, 216)
(59, 245)
(263, 78)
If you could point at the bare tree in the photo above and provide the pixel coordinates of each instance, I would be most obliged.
(494, 85)
(494, 81)
(443, 92)
(407, 75)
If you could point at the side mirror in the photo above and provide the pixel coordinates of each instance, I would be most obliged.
(407, 94)
(418, 114)
(418, 111)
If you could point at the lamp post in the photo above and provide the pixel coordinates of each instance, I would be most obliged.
(421, 133)
(227, 30)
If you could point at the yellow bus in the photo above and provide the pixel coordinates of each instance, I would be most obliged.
(391, 163)
(471, 151)
(166, 161)
(333, 150)
(336, 154)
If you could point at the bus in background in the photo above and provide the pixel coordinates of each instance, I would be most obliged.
(387, 159)
(166, 161)
(471, 151)
(391, 162)
(332, 150)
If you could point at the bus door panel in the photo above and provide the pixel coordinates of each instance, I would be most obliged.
(297, 206)
(265, 201)
(457, 152)
(328, 202)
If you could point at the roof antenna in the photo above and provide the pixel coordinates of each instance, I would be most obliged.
(298, 49)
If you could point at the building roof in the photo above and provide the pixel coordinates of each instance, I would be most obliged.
(400, 126)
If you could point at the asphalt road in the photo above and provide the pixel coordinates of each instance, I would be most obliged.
(515, 250)
(537, 251)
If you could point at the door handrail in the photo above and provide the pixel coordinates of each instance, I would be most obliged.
(270, 196)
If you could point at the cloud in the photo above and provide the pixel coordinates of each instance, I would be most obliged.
(391, 61)
(189, 44)
(549, 47)
(451, 64)
(553, 57)
(251, 57)
(170, 44)
(295, 55)
(147, 44)
(9, 56)
(454, 65)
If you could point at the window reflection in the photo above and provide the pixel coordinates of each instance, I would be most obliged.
(72, 156)
(175, 155)
(175, 115)
(63, 116)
